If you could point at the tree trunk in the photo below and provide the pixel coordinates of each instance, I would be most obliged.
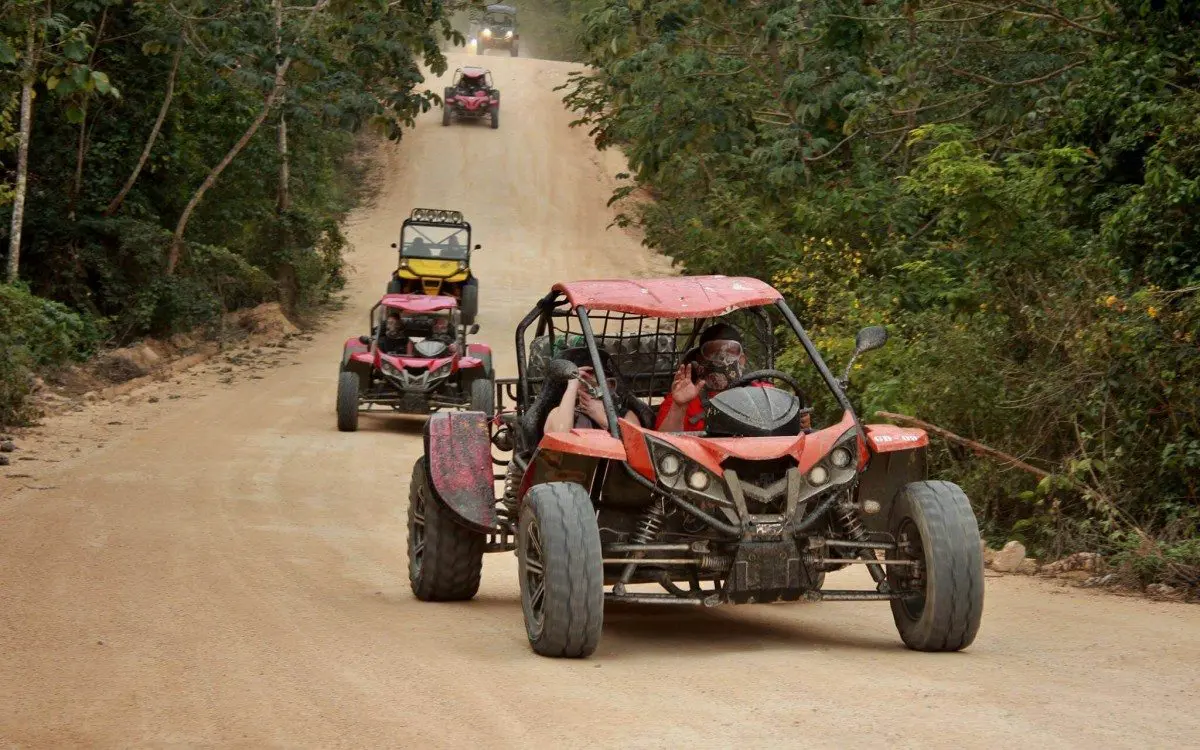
(211, 179)
(81, 147)
(115, 205)
(281, 70)
(285, 277)
(18, 215)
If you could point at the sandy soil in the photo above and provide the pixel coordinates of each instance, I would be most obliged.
(208, 562)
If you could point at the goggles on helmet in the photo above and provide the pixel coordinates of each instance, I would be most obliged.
(721, 351)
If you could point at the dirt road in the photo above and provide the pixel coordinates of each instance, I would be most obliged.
(224, 569)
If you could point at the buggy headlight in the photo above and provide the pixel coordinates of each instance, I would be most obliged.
(818, 476)
(388, 369)
(486, 32)
(508, 35)
(840, 457)
(669, 465)
(442, 369)
(698, 480)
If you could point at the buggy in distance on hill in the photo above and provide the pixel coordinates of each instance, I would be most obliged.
(754, 507)
(497, 29)
(472, 96)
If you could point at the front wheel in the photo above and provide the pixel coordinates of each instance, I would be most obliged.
(470, 300)
(561, 570)
(347, 401)
(495, 111)
(445, 116)
(934, 526)
(483, 396)
(513, 51)
(444, 557)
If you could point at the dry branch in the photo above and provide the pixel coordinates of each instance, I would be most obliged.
(973, 445)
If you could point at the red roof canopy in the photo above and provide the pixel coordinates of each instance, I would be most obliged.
(418, 303)
(671, 297)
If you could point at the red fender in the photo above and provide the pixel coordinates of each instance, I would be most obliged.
(458, 448)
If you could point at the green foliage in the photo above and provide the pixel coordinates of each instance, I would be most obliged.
(36, 333)
(1013, 193)
(102, 72)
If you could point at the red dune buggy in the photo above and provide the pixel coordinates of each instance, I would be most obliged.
(472, 97)
(754, 505)
(416, 361)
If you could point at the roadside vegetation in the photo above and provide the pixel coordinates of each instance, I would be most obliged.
(163, 163)
(1013, 188)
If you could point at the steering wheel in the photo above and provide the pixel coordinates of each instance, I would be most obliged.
(779, 375)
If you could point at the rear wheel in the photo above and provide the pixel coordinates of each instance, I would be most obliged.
(513, 51)
(444, 557)
(347, 401)
(561, 571)
(445, 115)
(934, 526)
(495, 111)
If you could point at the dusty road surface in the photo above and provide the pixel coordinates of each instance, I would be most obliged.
(225, 569)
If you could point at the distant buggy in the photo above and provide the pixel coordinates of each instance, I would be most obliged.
(471, 97)
(497, 30)
(415, 361)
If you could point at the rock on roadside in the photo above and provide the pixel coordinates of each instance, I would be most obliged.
(1009, 559)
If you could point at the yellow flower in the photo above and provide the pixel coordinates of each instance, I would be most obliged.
(1112, 300)
(1152, 311)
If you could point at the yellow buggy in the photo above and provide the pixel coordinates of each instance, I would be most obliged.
(435, 259)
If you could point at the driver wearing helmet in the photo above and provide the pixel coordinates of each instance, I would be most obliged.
(392, 339)
(716, 363)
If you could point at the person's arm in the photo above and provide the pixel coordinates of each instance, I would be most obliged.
(562, 417)
(683, 392)
(673, 421)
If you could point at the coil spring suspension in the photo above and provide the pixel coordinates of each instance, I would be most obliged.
(647, 532)
(852, 523)
(512, 481)
(651, 524)
(848, 513)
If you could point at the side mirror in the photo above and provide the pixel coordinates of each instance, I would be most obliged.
(478, 247)
(871, 337)
(364, 340)
(473, 329)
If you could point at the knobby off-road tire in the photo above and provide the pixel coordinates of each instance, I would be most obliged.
(347, 401)
(470, 300)
(444, 557)
(445, 115)
(561, 571)
(483, 396)
(513, 51)
(495, 112)
(936, 517)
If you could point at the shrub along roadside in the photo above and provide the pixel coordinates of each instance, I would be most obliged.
(189, 158)
(1013, 194)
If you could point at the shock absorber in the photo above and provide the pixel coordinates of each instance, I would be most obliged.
(647, 531)
(651, 524)
(852, 522)
(512, 482)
